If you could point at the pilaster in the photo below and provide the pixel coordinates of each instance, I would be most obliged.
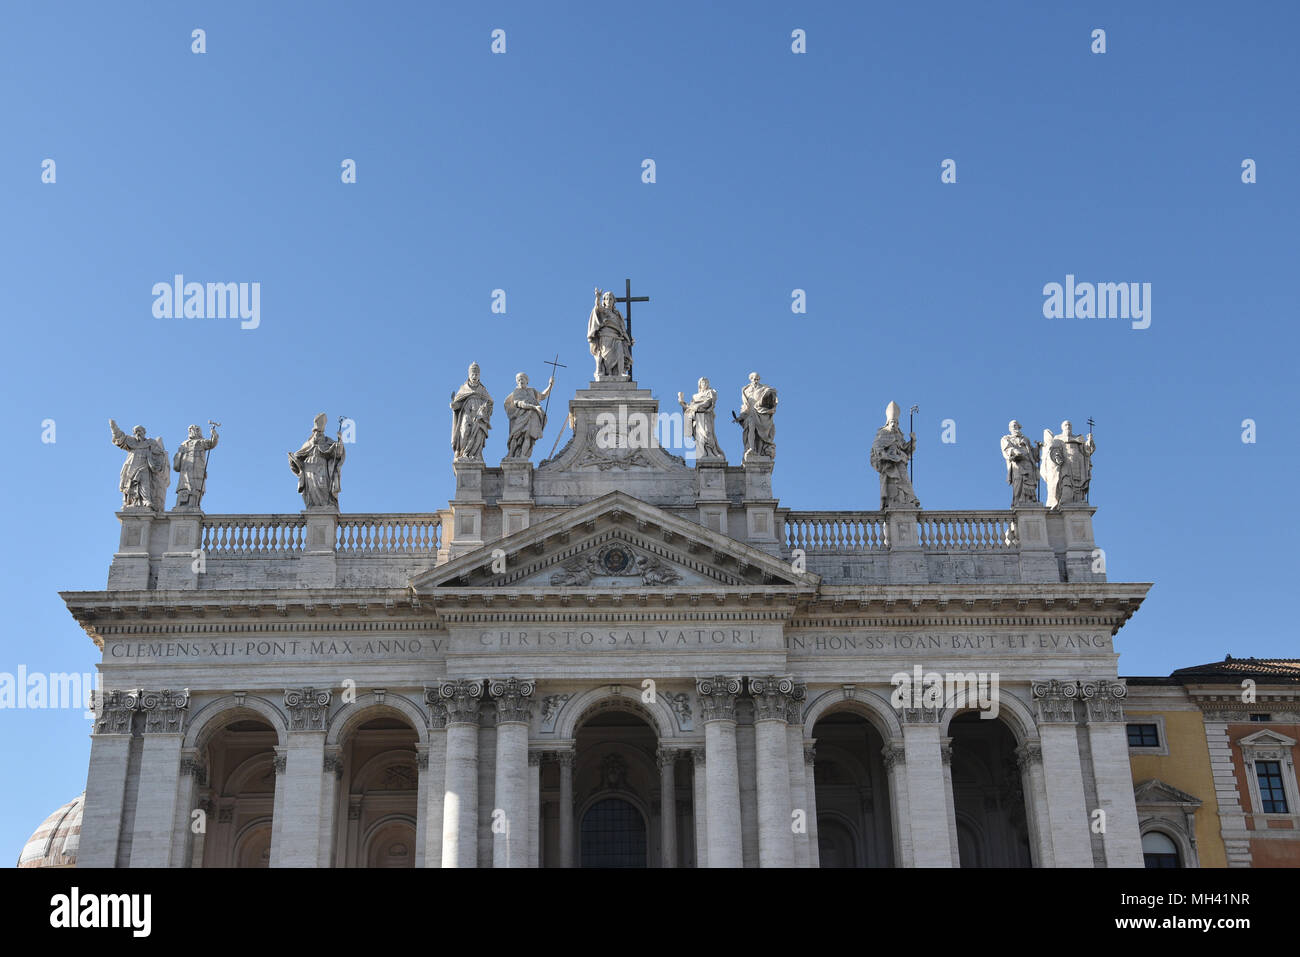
(130, 567)
(928, 805)
(1037, 559)
(906, 558)
(1063, 773)
(467, 508)
(179, 562)
(1112, 771)
(317, 568)
(163, 724)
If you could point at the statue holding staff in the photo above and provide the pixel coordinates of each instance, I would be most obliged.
(318, 465)
(527, 417)
(890, 454)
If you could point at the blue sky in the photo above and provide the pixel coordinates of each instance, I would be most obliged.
(774, 171)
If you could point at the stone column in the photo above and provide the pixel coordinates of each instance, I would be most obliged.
(110, 752)
(810, 772)
(159, 781)
(433, 784)
(460, 807)
(534, 808)
(565, 759)
(771, 696)
(279, 764)
(798, 780)
(700, 808)
(945, 749)
(718, 700)
(354, 832)
(927, 802)
(894, 754)
(303, 781)
(667, 759)
(1029, 758)
(510, 831)
(193, 776)
(1108, 741)
(331, 775)
(1063, 773)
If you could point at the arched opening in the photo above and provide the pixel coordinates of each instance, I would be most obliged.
(992, 827)
(240, 795)
(1159, 850)
(854, 821)
(616, 789)
(378, 794)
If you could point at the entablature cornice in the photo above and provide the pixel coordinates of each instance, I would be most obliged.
(1039, 605)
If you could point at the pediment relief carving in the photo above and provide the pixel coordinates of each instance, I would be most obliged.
(1154, 792)
(584, 452)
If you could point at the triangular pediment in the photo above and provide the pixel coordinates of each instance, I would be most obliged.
(1153, 792)
(616, 542)
(1266, 738)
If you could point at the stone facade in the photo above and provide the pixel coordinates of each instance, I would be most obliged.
(611, 657)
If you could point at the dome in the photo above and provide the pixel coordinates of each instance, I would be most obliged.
(55, 842)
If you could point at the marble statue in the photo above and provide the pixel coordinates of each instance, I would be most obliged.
(700, 412)
(1067, 466)
(890, 454)
(757, 408)
(527, 417)
(191, 461)
(471, 420)
(318, 465)
(608, 338)
(145, 475)
(1021, 456)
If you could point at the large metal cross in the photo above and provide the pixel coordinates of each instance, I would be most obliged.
(627, 300)
(554, 364)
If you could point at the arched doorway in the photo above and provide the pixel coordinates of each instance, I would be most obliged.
(377, 797)
(989, 803)
(854, 821)
(240, 796)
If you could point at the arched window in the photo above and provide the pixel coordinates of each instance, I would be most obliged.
(1158, 850)
(613, 835)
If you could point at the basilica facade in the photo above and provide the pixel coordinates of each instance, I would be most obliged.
(615, 657)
